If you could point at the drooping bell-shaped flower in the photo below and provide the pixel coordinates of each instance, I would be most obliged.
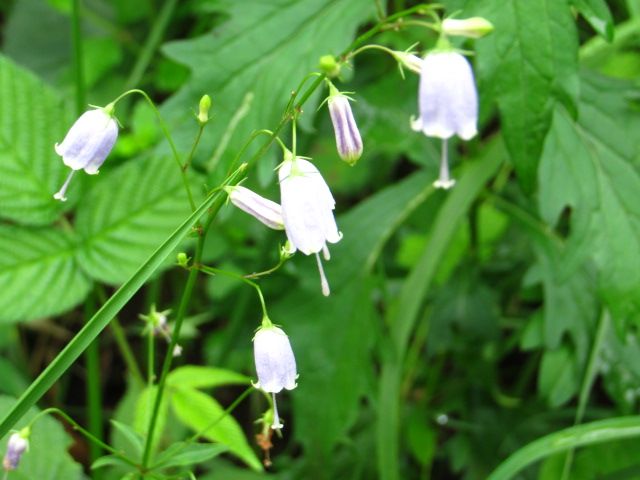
(87, 144)
(348, 139)
(448, 102)
(16, 446)
(275, 363)
(307, 210)
(263, 209)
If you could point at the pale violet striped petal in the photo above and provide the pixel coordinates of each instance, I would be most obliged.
(348, 139)
(448, 100)
(263, 209)
(274, 359)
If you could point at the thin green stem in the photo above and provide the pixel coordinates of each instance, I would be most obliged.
(93, 387)
(121, 341)
(192, 152)
(152, 42)
(217, 271)
(167, 135)
(587, 384)
(256, 275)
(78, 57)
(151, 354)
(182, 311)
(125, 350)
(76, 426)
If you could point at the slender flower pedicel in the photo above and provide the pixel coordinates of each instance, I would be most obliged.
(87, 144)
(307, 210)
(348, 140)
(16, 446)
(275, 363)
(263, 209)
(448, 102)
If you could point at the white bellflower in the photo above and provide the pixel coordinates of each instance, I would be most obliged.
(87, 144)
(307, 210)
(275, 363)
(16, 446)
(448, 103)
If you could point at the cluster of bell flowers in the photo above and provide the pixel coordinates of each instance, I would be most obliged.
(448, 105)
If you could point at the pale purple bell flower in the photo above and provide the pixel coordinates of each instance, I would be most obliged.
(87, 144)
(348, 139)
(448, 103)
(307, 211)
(266, 211)
(16, 446)
(275, 363)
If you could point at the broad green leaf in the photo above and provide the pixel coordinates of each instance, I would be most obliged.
(591, 167)
(143, 409)
(39, 274)
(597, 462)
(134, 439)
(588, 434)
(597, 13)
(265, 48)
(32, 120)
(368, 226)
(528, 64)
(182, 454)
(127, 214)
(47, 457)
(203, 414)
(195, 376)
(558, 376)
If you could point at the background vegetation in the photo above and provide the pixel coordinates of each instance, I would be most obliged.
(462, 325)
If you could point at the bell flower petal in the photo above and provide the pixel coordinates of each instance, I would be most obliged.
(87, 144)
(263, 209)
(16, 446)
(307, 207)
(275, 363)
(447, 98)
(348, 139)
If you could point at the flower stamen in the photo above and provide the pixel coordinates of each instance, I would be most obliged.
(326, 291)
(444, 181)
(60, 194)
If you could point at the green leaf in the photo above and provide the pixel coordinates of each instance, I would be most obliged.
(528, 64)
(143, 409)
(109, 461)
(134, 439)
(591, 167)
(563, 440)
(47, 457)
(127, 214)
(265, 48)
(205, 415)
(32, 120)
(39, 274)
(195, 376)
(558, 376)
(182, 454)
(598, 14)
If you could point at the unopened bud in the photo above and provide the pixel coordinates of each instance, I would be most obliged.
(329, 66)
(474, 27)
(16, 446)
(408, 60)
(182, 259)
(203, 111)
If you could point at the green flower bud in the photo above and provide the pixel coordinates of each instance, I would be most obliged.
(474, 27)
(182, 259)
(203, 112)
(329, 66)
